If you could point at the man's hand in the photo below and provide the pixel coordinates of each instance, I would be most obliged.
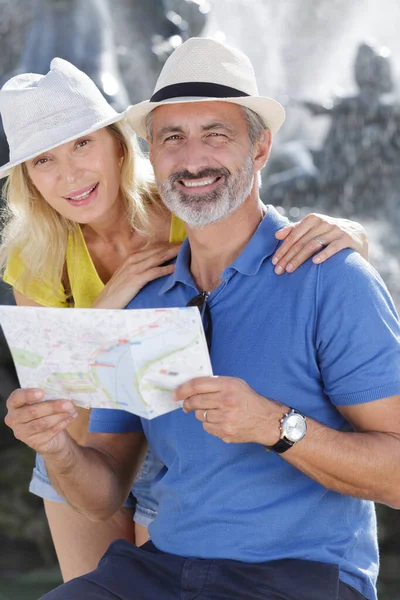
(95, 478)
(320, 235)
(40, 425)
(232, 410)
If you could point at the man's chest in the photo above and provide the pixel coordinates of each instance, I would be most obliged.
(263, 331)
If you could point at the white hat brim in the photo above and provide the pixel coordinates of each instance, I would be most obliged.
(5, 170)
(271, 112)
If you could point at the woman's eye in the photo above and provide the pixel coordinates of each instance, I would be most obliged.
(82, 143)
(40, 161)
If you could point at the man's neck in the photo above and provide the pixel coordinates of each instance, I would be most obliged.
(216, 246)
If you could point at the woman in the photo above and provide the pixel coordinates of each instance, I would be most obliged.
(85, 228)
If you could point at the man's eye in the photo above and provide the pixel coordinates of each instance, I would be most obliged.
(216, 134)
(173, 138)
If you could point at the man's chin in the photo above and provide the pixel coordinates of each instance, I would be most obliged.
(197, 211)
(199, 219)
(198, 199)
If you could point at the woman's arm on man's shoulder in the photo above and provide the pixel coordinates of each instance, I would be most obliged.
(319, 236)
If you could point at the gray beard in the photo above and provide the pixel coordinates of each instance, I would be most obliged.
(201, 210)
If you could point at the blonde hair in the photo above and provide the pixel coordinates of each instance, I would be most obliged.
(37, 234)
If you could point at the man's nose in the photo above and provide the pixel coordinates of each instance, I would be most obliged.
(194, 156)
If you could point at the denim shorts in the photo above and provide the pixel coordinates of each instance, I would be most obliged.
(140, 496)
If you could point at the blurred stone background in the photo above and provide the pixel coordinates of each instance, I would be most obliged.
(304, 54)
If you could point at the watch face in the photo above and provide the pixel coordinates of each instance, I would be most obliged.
(294, 427)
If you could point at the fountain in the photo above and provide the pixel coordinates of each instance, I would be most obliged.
(308, 52)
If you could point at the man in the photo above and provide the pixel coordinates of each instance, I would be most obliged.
(273, 464)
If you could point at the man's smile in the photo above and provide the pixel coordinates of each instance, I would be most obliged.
(198, 182)
(201, 184)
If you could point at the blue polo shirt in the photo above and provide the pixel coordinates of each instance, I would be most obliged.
(325, 336)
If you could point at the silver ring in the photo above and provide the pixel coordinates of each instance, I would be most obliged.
(319, 242)
(205, 414)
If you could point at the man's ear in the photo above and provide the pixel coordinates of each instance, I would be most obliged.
(262, 149)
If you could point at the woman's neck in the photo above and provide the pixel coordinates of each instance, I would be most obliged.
(110, 227)
(113, 232)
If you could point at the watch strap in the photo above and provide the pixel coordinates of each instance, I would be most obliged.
(283, 443)
(281, 446)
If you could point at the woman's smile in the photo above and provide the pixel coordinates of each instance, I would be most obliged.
(83, 196)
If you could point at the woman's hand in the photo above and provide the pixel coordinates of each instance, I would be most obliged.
(320, 235)
(134, 273)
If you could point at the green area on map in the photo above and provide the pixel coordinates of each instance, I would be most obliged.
(77, 382)
(26, 358)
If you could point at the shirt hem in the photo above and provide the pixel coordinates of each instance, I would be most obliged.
(107, 427)
(14, 284)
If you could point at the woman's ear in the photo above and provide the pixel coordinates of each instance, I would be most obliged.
(121, 154)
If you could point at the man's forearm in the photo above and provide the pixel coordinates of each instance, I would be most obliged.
(363, 465)
(85, 478)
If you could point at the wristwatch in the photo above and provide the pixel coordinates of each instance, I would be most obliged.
(293, 428)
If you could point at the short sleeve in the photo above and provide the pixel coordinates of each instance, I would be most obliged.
(109, 420)
(39, 291)
(357, 332)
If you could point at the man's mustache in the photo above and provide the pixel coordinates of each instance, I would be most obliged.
(223, 172)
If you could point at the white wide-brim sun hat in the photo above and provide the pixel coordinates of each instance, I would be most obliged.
(204, 70)
(41, 112)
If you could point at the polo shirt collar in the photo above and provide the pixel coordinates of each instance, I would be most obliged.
(181, 272)
(261, 246)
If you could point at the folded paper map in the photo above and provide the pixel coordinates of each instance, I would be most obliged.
(126, 359)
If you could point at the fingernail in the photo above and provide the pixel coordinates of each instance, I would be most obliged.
(67, 405)
(289, 267)
(274, 260)
(75, 415)
(316, 259)
(38, 394)
(279, 270)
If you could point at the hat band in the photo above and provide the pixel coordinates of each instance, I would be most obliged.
(196, 88)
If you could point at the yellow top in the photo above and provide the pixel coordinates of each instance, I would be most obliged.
(84, 280)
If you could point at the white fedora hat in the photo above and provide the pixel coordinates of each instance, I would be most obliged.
(204, 70)
(40, 112)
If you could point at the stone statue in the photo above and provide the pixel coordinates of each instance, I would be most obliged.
(359, 144)
(357, 163)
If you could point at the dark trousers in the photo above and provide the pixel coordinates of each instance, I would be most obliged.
(129, 573)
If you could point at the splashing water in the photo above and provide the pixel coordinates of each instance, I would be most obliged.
(306, 51)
